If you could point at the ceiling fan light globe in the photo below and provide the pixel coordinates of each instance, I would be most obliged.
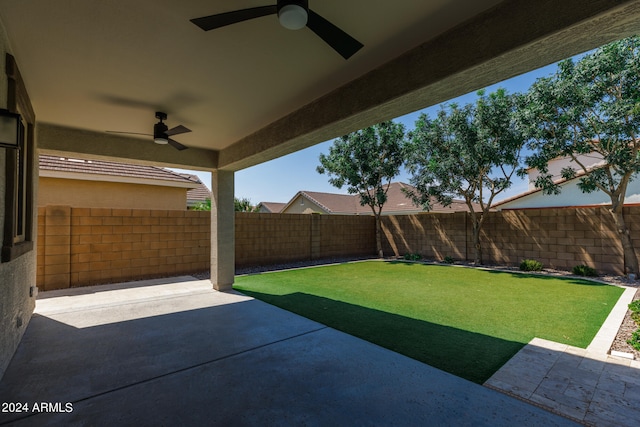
(160, 140)
(293, 17)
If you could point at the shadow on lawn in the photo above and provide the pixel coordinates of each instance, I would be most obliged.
(466, 354)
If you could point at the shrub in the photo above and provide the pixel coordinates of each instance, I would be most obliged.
(635, 340)
(530, 265)
(412, 257)
(635, 306)
(635, 316)
(584, 270)
(448, 260)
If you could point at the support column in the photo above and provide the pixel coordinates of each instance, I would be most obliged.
(222, 230)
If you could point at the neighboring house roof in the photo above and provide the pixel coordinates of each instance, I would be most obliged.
(198, 194)
(271, 207)
(98, 170)
(332, 203)
(347, 204)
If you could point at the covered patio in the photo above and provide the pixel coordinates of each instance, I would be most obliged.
(248, 92)
(176, 352)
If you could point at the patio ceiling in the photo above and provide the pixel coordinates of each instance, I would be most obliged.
(254, 91)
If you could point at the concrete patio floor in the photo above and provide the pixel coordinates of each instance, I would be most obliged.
(175, 352)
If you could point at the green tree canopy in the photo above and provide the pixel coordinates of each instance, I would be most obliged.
(469, 152)
(590, 107)
(239, 205)
(203, 206)
(366, 161)
(243, 205)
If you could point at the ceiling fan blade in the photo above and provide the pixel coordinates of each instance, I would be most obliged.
(129, 133)
(177, 145)
(177, 130)
(340, 41)
(222, 19)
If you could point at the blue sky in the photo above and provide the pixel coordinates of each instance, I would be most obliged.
(280, 179)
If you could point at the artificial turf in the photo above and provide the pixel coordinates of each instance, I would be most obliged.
(465, 321)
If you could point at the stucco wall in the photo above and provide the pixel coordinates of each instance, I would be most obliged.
(556, 165)
(18, 275)
(302, 205)
(96, 194)
(571, 195)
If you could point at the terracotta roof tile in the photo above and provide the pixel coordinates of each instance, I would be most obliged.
(273, 207)
(334, 203)
(99, 167)
(397, 202)
(201, 193)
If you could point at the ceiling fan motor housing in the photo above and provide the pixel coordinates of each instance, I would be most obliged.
(160, 130)
(293, 14)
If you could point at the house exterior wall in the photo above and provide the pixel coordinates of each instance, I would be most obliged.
(556, 166)
(100, 194)
(571, 195)
(18, 275)
(302, 205)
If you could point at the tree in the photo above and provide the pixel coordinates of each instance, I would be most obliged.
(470, 152)
(203, 206)
(366, 161)
(239, 205)
(590, 107)
(243, 205)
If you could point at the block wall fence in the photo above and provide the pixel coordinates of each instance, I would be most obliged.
(87, 246)
(558, 237)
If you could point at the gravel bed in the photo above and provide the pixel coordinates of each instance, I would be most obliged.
(619, 344)
(624, 333)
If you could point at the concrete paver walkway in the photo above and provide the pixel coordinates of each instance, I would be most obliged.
(177, 353)
(587, 385)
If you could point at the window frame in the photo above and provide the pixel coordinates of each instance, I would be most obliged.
(19, 167)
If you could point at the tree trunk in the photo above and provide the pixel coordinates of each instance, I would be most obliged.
(379, 236)
(477, 248)
(630, 258)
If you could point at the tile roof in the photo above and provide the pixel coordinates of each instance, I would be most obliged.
(397, 202)
(273, 207)
(200, 193)
(335, 203)
(99, 167)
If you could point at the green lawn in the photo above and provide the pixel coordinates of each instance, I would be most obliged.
(465, 321)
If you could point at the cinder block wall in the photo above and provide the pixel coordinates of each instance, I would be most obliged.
(264, 238)
(432, 235)
(79, 247)
(559, 238)
(337, 235)
(87, 246)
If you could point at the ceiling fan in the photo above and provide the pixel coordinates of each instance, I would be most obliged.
(161, 132)
(292, 14)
